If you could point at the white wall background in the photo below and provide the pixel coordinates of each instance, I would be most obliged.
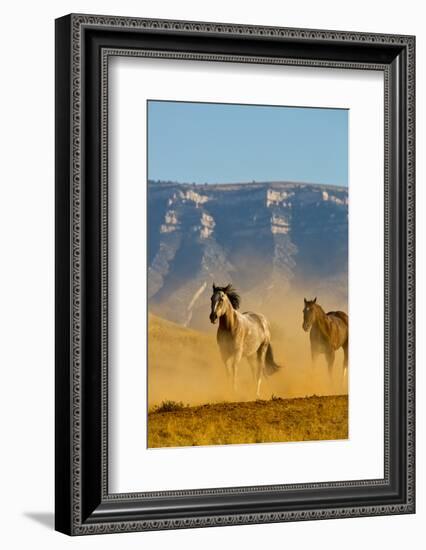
(26, 286)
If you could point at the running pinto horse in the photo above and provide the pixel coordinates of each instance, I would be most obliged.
(328, 332)
(241, 335)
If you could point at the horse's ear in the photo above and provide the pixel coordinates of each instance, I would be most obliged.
(305, 300)
(315, 300)
(228, 287)
(214, 287)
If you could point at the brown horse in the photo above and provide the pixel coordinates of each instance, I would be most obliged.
(241, 335)
(328, 332)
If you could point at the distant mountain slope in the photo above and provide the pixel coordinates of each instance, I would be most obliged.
(266, 238)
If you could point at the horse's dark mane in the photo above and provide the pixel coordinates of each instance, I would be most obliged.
(232, 294)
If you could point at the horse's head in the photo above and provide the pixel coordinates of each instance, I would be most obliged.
(309, 314)
(223, 298)
(218, 304)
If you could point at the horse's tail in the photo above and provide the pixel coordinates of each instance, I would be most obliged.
(270, 366)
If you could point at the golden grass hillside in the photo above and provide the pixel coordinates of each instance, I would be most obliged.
(277, 420)
(183, 364)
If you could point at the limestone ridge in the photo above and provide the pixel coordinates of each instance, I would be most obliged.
(264, 237)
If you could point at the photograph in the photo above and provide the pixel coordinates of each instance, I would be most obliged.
(247, 283)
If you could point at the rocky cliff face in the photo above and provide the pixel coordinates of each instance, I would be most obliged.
(265, 238)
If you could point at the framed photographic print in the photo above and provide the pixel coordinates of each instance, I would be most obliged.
(234, 274)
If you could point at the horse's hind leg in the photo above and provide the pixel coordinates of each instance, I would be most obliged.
(346, 355)
(252, 360)
(261, 356)
(345, 361)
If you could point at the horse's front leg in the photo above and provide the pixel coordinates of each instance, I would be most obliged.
(330, 356)
(314, 356)
(226, 360)
(228, 368)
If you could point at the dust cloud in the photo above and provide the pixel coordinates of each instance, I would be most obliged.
(184, 365)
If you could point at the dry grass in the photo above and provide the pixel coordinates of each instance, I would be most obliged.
(276, 420)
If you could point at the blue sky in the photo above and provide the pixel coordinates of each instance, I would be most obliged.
(222, 143)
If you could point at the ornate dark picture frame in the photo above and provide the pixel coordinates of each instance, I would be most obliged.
(84, 44)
